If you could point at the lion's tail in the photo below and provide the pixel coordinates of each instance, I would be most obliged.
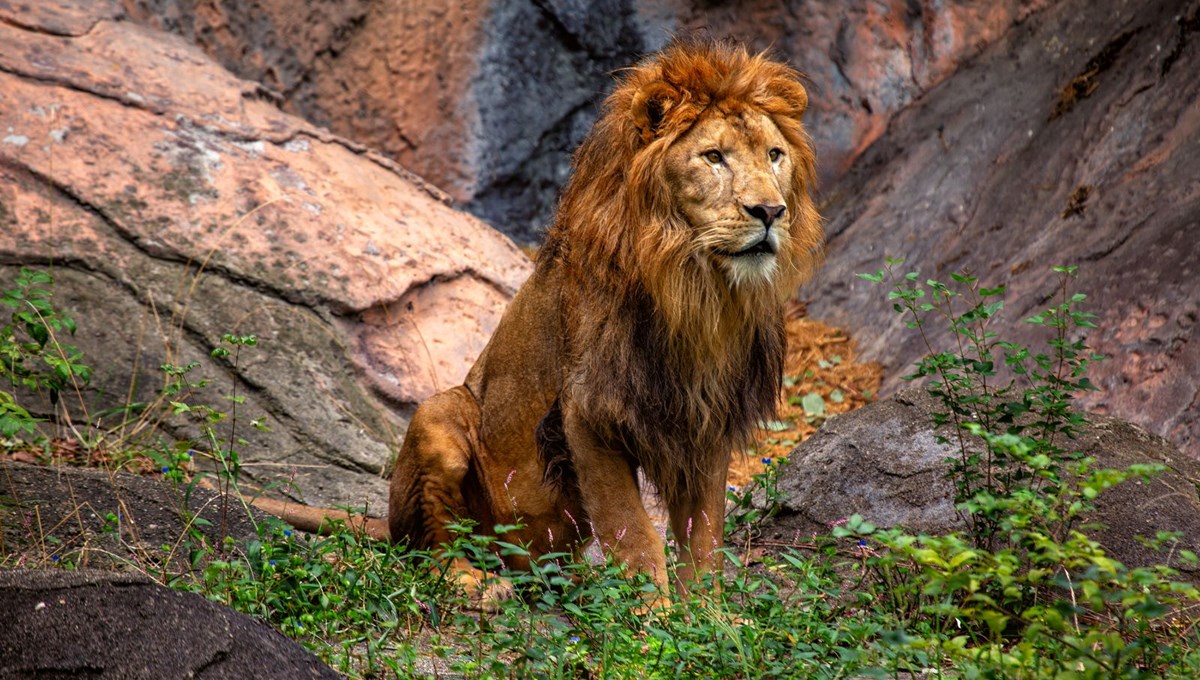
(315, 520)
(320, 520)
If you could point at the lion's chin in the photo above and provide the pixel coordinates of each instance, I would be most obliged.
(748, 269)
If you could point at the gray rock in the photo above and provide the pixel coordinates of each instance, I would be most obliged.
(91, 624)
(883, 462)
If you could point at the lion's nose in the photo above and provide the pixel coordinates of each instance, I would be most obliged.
(767, 214)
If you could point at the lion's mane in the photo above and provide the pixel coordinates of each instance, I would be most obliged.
(666, 357)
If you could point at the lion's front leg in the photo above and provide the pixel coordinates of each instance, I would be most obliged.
(698, 523)
(609, 490)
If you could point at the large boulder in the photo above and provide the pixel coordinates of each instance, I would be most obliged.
(175, 203)
(71, 624)
(488, 98)
(1075, 140)
(884, 462)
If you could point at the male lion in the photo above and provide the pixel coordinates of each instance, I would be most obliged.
(650, 336)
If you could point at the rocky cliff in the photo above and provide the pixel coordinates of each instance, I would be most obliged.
(488, 98)
(175, 203)
(1002, 138)
(1075, 140)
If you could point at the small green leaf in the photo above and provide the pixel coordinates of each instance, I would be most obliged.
(776, 425)
(813, 404)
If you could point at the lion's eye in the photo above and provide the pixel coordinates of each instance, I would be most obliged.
(713, 156)
(775, 154)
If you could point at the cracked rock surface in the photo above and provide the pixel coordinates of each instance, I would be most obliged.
(175, 203)
(884, 463)
(94, 624)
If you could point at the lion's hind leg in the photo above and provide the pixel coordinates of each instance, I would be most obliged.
(433, 487)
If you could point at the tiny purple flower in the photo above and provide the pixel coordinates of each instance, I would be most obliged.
(166, 469)
(766, 461)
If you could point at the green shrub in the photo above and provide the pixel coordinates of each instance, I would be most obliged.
(1025, 593)
(32, 356)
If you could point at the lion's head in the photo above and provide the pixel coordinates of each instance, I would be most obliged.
(696, 183)
(686, 224)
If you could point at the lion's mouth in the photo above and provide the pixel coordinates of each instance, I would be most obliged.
(762, 247)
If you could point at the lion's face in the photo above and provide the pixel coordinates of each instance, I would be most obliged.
(730, 176)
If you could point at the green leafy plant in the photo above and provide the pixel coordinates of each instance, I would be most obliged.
(32, 357)
(1026, 593)
(753, 504)
(1023, 593)
(988, 385)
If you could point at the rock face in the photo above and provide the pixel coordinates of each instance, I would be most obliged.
(884, 463)
(175, 203)
(488, 98)
(101, 625)
(1030, 133)
(1075, 140)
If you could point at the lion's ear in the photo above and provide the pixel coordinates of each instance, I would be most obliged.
(650, 106)
(792, 94)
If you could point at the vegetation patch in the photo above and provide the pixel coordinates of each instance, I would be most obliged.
(1022, 593)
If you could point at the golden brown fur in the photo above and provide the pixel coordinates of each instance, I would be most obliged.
(650, 335)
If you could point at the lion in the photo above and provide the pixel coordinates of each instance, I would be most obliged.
(650, 335)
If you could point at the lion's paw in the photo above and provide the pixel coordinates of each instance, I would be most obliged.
(485, 592)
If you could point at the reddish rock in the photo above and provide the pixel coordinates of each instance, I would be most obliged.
(1075, 140)
(394, 75)
(175, 202)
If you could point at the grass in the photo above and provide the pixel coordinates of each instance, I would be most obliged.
(370, 609)
(1022, 594)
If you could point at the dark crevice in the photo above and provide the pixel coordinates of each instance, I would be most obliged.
(326, 137)
(837, 55)
(343, 35)
(218, 657)
(565, 34)
(64, 83)
(1187, 26)
(133, 240)
(1104, 253)
(1088, 80)
(43, 30)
